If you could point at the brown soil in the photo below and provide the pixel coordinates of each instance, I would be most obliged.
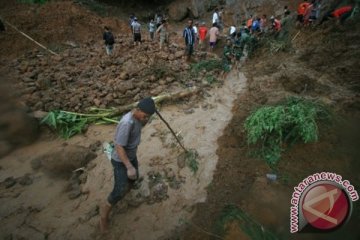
(323, 65)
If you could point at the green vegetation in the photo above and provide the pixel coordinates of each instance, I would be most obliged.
(208, 65)
(210, 79)
(191, 160)
(270, 128)
(249, 226)
(277, 46)
(68, 124)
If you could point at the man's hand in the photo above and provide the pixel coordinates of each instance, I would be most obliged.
(131, 173)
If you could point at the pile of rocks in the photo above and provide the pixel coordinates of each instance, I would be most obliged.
(82, 77)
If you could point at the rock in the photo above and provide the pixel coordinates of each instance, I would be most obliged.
(91, 165)
(181, 160)
(83, 177)
(171, 57)
(189, 111)
(25, 180)
(162, 82)
(95, 146)
(135, 199)
(94, 211)
(179, 54)
(159, 191)
(169, 79)
(163, 55)
(178, 10)
(97, 102)
(74, 194)
(9, 182)
(175, 184)
(152, 78)
(169, 173)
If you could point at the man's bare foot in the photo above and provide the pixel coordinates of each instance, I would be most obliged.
(104, 226)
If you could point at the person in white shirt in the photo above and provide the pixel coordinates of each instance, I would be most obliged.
(215, 18)
(136, 29)
(196, 31)
(232, 32)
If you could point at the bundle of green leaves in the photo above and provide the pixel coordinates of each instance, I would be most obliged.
(68, 124)
(270, 128)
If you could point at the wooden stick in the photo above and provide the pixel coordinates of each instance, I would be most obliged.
(30, 38)
(172, 131)
(295, 36)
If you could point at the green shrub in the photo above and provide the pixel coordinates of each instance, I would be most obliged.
(271, 128)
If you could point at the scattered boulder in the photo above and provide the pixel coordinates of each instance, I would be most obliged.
(9, 182)
(25, 180)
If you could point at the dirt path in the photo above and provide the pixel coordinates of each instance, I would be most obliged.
(43, 209)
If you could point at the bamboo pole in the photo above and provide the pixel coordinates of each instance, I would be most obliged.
(295, 36)
(157, 99)
(30, 38)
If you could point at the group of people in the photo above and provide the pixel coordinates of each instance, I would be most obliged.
(255, 27)
(308, 12)
(157, 27)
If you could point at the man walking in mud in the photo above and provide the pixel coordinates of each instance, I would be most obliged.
(123, 158)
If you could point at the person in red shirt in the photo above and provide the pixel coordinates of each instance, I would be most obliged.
(276, 24)
(202, 35)
(249, 22)
(340, 14)
(301, 11)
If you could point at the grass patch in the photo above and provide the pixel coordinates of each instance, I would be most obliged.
(208, 65)
(271, 128)
(211, 79)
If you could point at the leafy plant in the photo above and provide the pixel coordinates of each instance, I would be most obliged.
(68, 124)
(249, 226)
(271, 127)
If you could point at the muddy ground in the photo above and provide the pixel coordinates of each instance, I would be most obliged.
(41, 195)
(322, 65)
